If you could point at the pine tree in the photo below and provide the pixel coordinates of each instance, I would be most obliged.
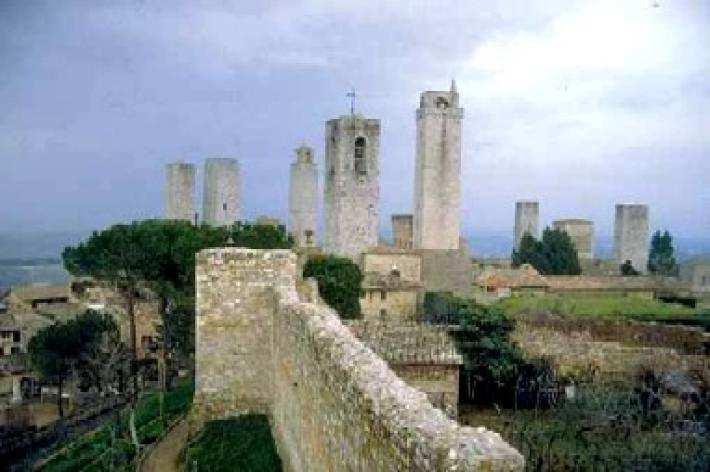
(661, 258)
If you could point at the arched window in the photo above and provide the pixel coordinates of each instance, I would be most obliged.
(360, 164)
(441, 103)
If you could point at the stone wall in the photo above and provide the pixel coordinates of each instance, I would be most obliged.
(447, 270)
(631, 240)
(334, 405)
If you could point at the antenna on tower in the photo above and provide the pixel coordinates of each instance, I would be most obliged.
(351, 95)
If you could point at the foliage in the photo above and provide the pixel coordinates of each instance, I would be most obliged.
(603, 427)
(661, 258)
(57, 350)
(105, 449)
(242, 443)
(593, 305)
(162, 254)
(554, 254)
(494, 369)
(339, 283)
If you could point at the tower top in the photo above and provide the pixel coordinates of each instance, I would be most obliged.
(453, 85)
(304, 153)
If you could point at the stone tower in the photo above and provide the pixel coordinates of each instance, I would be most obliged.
(631, 235)
(180, 191)
(527, 220)
(403, 231)
(303, 198)
(581, 232)
(222, 192)
(351, 191)
(437, 179)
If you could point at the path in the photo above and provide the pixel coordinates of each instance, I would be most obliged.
(166, 455)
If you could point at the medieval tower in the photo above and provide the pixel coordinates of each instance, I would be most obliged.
(180, 191)
(221, 192)
(631, 235)
(351, 191)
(527, 217)
(303, 198)
(581, 232)
(437, 179)
(402, 231)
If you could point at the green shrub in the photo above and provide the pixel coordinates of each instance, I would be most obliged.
(243, 443)
(339, 283)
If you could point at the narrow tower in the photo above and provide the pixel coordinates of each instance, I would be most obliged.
(221, 192)
(351, 191)
(437, 180)
(402, 231)
(527, 218)
(303, 198)
(631, 235)
(180, 191)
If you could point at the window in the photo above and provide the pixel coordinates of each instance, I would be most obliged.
(383, 314)
(360, 164)
(442, 103)
(383, 295)
(16, 336)
(14, 350)
(224, 206)
(309, 236)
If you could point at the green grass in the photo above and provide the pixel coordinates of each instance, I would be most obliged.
(242, 443)
(590, 305)
(104, 449)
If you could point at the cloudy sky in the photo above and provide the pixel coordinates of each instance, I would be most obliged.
(579, 104)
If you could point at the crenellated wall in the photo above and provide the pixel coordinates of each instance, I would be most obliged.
(333, 404)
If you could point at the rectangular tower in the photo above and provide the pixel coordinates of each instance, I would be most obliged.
(631, 235)
(403, 231)
(437, 179)
(222, 192)
(180, 191)
(352, 190)
(303, 198)
(581, 232)
(527, 220)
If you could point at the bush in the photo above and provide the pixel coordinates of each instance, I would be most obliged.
(339, 283)
(243, 443)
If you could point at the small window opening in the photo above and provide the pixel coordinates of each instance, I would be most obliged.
(360, 164)
(383, 314)
(383, 295)
(308, 235)
(224, 206)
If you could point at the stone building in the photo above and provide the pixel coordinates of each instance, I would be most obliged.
(303, 198)
(582, 234)
(351, 190)
(437, 178)
(392, 287)
(403, 231)
(696, 272)
(631, 242)
(222, 192)
(527, 220)
(180, 191)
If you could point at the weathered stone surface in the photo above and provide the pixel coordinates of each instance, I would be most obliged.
(222, 192)
(437, 178)
(631, 235)
(581, 232)
(180, 191)
(334, 404)
(303, 198)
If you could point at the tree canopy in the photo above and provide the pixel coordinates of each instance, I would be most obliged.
(554, 254)
(57, 350)
(661, 257)
(339, 283)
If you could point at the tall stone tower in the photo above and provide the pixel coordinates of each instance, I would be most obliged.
(222, 192)
(527, 220)
(581, 232)
(437, 179)
(180, 191)
(303, 198)
(403, 231)
(631, 235)
(352, 189)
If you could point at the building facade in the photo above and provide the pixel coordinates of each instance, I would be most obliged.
(437, 178)
(351, 190)
(221, 199)
(303, 198)
(180, 191)
(403, 231)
